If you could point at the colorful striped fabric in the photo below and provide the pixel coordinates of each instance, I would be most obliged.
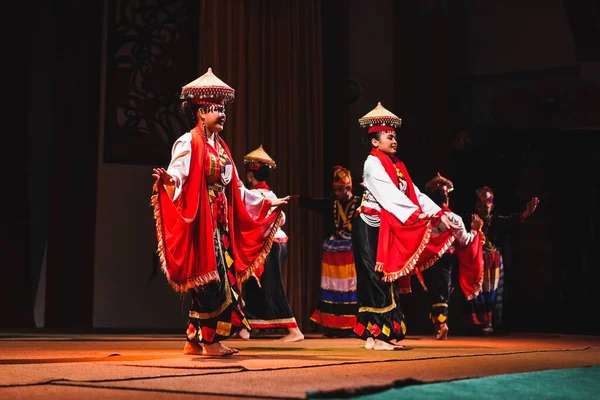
(338, 304)
(485, 310)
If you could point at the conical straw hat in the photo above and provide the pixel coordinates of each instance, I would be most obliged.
(259, 156)
(208, 89)
(380, 116)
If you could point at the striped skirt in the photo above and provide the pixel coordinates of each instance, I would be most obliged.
(485, 310)
(338, 303)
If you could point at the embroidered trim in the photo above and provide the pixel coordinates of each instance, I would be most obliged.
(410, 264)
(179, 286)
(476, 290)
(338, 302)
(248, 272)
(273, 323)
(340, 215)
(437, 256)
(380, 310)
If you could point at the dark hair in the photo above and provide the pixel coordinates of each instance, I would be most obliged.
(367, 138)
(189, 111)
(439, 196)
(261, 174)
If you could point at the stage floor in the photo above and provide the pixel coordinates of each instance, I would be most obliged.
(92, 366)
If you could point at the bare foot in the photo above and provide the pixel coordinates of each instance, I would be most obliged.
(381, 345)
(244, 334)
(294, 336)
(231, 348)
(369, 344)
(217, 349)
(192, 349)
(442, 334)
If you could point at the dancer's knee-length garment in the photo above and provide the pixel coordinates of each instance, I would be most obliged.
(390, 243)
(266, 303)
(485, 309)
(338, 303)
(379, 314)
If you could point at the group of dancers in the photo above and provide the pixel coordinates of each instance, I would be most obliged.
(220, 238)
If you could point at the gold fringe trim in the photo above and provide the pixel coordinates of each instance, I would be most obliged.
(437, 256)
(479, 285)
(248, 272)
(410, 264)
(476, 290)
(422, 281)
(178, 286)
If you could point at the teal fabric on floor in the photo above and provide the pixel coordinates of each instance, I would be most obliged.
(572, 383)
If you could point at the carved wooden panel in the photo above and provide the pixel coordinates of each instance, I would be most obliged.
(152, 51)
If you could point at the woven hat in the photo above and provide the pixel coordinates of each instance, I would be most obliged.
(259, 157)
(341, 176)
(380, 119)
(439, 182)
(208, 89)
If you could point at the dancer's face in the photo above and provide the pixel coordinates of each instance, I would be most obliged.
(213, 117)
(386, 142)
(342, 193)
(484, 208)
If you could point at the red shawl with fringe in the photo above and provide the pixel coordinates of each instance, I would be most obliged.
(405, 248)
(470, 266)
(184, 228)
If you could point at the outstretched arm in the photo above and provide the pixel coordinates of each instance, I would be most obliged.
(318, 204)
(530, 207)
(257, 205)
(464, 237)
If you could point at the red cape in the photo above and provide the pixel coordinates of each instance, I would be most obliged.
(470, 264)
(184, 228)
(404, 249)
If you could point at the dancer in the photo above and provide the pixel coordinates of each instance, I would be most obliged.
(465, 253)
(212, 232)
(391, 238)
(484, 312)
(265, 302)
(338, 304)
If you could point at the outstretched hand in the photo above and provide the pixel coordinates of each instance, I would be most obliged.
(280, 201)
(162, 176)
(531, 206)
(449, 224)
(443, 220)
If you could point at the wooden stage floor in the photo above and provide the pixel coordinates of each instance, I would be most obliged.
(114, 366)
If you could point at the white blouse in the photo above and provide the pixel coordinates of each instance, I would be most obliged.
(280, 234)
(179, 169)
(463, 237)
(381, 192)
